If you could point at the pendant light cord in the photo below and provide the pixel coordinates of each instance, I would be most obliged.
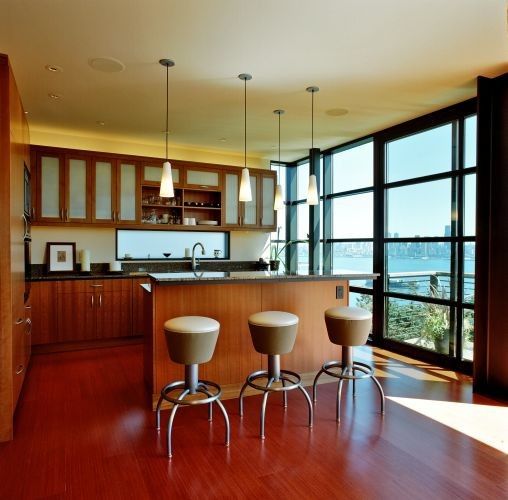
(312, 122)
(245, 123)
(167, 109)
(279, 149)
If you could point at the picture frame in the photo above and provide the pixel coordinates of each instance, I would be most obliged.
(61, 257)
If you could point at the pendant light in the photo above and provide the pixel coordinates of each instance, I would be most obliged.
(166, 190)
(245, 193)
(312, 193)
(278, 202)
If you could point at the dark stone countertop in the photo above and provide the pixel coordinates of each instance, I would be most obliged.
(190, 277)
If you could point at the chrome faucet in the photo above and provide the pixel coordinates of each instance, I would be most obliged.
(195, 262)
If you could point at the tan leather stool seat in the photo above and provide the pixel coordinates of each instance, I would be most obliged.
(273, 332)
(348, 326)
(191, 339)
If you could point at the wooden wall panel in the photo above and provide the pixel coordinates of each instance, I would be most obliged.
(13, 154)
(138, 320)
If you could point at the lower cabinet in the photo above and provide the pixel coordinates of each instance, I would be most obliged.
(72, 310)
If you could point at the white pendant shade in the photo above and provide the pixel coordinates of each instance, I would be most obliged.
(167, 190)
(312, 194)
(245, 191)
(279, 200)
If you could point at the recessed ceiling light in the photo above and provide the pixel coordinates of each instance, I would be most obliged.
(53, 68)
(106, 64)
(54, 96)
(337, 112)
(101, 123)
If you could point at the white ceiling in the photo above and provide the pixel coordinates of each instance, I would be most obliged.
(383, 61)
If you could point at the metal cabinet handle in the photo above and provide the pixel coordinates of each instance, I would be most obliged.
(203, 186)
(19, 321)
(117, 216)
(67, 214)
(113, 215)
(100, 299)
(33, 213)
(91, 300)
(95, 286)
(19, 369)
(261, 221)
(61, 214)
(28, 327)
(28, 307)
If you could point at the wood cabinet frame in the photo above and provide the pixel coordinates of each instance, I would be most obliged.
(64, 155)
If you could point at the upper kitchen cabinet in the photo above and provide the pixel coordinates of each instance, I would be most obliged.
(200, 178)
(255, 214)
(62, 187)
(115, 191)
(152, 174)
(106, 189)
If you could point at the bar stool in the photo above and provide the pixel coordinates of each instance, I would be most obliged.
(348, 327)
(191, 341)
(274, 333)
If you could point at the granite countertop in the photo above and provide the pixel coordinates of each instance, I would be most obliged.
(245, 276)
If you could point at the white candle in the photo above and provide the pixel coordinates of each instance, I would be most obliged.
(187, 252)
(85, 260)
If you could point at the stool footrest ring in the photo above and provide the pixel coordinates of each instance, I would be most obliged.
(365, 370)
(285, 374)
(205, 384)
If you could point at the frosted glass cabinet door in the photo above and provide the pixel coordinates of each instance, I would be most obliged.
(204, 179)
(77, 190)
(231, 213)
(127, 193)
(50, 173)
(268, 196)
(250, 210)
(103, 191)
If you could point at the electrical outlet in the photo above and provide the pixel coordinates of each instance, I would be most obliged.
(339, 292)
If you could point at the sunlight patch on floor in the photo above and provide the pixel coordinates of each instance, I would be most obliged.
(484, 423)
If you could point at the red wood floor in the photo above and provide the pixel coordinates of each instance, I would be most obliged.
(83, 430)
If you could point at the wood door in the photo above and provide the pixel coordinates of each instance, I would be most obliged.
(230, 204)
(50, 178)
(114, 310)
(128, 193)
(43, 299)
(268, 216)
(138, 326)
(208, 178)
(76, 316)
(77, 205)
(103, 190)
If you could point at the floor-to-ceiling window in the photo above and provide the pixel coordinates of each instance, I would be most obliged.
(352, 216)
(428, 242)
(278, 238)
(401, 203)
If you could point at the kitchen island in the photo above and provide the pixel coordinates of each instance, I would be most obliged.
(230, 298)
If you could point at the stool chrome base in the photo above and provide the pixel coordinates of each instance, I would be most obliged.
(290, 380)
(346, 371)
(209, 389)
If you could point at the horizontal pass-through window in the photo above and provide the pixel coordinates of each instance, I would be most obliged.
(425, 153)
(153, 245)
(419, 210)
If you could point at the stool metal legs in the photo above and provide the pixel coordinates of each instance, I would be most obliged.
(290, 380)
(346, 370)
(191, 385)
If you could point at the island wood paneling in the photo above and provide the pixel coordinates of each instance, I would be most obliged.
(231, 305)
(308, 300)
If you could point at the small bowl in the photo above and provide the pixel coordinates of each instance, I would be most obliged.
(166, 254)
